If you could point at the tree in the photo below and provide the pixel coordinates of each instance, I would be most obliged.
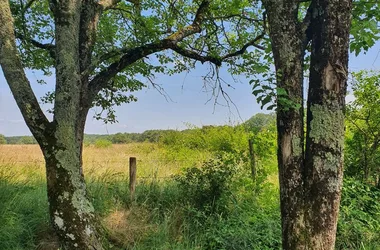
(311, 176)
(26, 140)
(2, 139)
(363, 120)
(98, 50)
(259, 121)
(313, 35)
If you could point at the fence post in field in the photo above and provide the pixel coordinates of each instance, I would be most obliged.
(252, 158)
(132, 176)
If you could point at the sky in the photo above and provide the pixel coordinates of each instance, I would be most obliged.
(187, 103)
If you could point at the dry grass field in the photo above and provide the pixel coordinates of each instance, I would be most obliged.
(24, 211)
(152, 161)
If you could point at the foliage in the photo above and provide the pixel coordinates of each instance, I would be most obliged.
(20, 140)
(212, 138)
(363, 131)
(27, 140)
(259, 121)
(226, 27)
(101, 143)
(2, 139)
(359, 221)
(365, 28)
(203, 187)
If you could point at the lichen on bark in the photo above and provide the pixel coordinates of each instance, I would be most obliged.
(327, 125)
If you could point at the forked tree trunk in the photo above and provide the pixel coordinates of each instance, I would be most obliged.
(310, 183)
(71, 211)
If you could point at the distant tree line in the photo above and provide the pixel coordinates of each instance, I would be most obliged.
(17, 140)
(254, 124)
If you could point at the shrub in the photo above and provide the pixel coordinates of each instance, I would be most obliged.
(2, 139)
(203, 187)
(359, 218)
(102, 143)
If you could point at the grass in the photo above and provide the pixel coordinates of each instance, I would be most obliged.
(23, 211)
(152, 159)
(164, 214)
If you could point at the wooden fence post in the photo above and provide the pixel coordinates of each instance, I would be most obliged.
(252, 159)
(132, 176)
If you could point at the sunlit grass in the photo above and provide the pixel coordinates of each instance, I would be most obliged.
(158, 218)
(24, 222)
(152, 160)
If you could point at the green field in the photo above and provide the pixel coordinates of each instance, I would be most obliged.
(194, 191)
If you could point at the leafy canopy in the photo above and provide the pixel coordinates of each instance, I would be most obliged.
(228, 28)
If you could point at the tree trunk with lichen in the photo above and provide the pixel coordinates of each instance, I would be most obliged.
(288, 54)
(325, 120)
(311, 179)
(71, 212)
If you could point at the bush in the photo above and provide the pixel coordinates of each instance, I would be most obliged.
(27, 140)
(2, 139)
(102, 143)
(359, 218)
(212, 138)
(202, 188)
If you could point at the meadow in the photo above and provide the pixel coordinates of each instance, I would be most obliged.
(194, 191)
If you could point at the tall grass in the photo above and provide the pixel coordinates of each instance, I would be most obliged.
(168, 212)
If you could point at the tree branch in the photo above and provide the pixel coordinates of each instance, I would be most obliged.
(14, 73)
(27, 6)
(245, 47)
(106, 4)
(132, 55)
(217, 60)
(241, 16)
(46, 46)
(196, 56)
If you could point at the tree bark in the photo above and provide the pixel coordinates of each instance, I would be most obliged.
(310, 182)
(71, 212)
(287, 46)
(325, 120)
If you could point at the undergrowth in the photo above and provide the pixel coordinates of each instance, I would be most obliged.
(192, 193)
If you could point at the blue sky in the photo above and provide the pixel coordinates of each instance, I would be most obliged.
(188, 102)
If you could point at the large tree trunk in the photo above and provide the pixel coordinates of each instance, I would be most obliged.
(325, 120)
(288, 54)
(71, 212)
(310, 183)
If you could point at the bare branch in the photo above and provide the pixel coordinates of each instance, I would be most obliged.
(216, 83)
(14, 73)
